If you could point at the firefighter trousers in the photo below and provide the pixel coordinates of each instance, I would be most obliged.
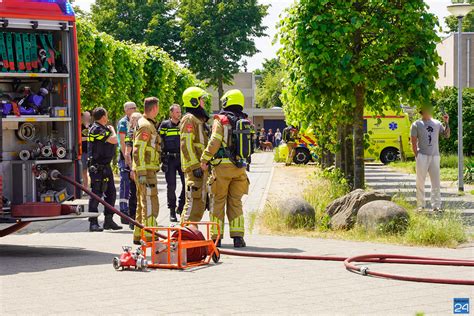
(196, 196)
(148, 205)
(102, 184)
(228, 184)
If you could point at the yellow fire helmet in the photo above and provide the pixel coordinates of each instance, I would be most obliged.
(233, 97)
(191, 97)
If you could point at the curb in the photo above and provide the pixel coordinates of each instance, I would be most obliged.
(267, 189)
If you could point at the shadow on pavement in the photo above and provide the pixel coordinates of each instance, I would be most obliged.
(24, 259)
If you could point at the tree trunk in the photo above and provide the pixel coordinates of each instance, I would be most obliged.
(220, 91)
(359, 175)
(338, 154)
(349, 155)
(342, 142)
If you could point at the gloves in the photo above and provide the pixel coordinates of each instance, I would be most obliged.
(142, 179)
(198, 173)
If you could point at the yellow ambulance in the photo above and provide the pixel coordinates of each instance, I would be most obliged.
(389, 139)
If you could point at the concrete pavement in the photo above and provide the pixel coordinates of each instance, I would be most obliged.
(62, 272)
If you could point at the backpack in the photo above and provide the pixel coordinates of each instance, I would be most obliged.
(237, 137)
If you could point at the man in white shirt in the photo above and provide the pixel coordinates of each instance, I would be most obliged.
(425, 134)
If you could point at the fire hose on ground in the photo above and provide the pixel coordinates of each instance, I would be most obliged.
(348, 262)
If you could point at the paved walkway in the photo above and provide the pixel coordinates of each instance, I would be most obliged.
(71, 273)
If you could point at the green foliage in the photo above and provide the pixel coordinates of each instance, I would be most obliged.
(139, 21)
(113, 72)
(447, 100)
(270, 85)
(342, 56)
(217, 34)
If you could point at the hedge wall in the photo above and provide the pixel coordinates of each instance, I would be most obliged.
(113, 72)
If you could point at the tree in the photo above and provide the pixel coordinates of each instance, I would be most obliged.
(467, 23)
(269, 85)
(363, 54)
(217, 34)
(140, 21)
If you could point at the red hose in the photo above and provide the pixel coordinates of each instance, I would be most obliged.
(57, 174)
(372, 258)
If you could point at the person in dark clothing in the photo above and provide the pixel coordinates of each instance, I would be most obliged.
(171, 160)
(271, 137)
(102, 145)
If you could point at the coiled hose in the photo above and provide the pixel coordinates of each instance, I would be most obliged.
(348, 262)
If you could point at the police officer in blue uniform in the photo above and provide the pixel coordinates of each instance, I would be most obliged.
(171, 161)
(102, 146)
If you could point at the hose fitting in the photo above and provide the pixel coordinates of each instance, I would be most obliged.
(364, 270)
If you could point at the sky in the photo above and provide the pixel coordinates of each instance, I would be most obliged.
(264, 44)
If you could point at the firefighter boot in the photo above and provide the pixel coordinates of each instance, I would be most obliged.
(173, 217)
(239, 242)
(109, 223)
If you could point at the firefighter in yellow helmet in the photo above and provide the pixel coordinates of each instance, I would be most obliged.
(228, 150)
(194, 136)
(146, 161)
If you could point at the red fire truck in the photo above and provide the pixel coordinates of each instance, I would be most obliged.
(40, 108)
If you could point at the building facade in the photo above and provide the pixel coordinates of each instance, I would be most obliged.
(262, 118)
(448, 51)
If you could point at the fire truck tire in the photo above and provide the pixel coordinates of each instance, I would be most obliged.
(389, 154)
(302, 156)
(116, 263)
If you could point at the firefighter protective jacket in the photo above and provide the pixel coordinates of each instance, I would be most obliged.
(146, 147)
(193, 140)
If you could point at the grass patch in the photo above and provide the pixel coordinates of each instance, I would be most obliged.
(445, 230)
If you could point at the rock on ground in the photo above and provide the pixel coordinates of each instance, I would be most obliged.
(343, 211)
(383, 216)
(298, 212)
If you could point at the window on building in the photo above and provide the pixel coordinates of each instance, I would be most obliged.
(444, 69)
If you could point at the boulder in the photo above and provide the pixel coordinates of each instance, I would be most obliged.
(297, 212)
(343, 211)
(383, 216)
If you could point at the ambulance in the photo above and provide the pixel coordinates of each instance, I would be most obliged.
(389, 140)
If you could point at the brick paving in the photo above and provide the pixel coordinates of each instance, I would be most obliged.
(70, 272)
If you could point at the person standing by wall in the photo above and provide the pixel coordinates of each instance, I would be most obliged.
(425, 134)
(277, 137)
(271, 137)
(85, 124)
(124, 168)
(171, 160)
(262, 138)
